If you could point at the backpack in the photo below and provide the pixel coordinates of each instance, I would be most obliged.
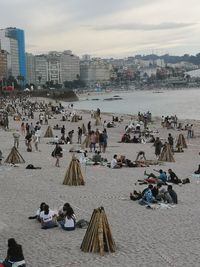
(82, 224)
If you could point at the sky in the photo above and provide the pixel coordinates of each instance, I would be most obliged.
(106, 28)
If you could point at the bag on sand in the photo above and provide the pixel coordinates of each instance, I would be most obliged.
(82, 224)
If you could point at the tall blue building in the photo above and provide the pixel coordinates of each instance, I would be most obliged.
(12, 40)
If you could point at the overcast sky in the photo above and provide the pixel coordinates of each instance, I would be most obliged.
(106, 28)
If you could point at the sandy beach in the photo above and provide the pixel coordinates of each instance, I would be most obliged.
(160, 237)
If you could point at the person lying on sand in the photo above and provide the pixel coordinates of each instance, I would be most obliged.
(172, 178)
(152, 178)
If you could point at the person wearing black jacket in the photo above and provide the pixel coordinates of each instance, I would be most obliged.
(14, 254)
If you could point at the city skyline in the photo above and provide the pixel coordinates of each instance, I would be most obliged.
(106, 28)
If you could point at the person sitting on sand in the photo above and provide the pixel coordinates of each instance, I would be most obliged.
(68, 220)
(172, 178)
(97, 157)
(156, 189)
(135, 140)
(173, 194)
(164, 196)
(148, 197)
(15, 255)
(38, 212)
(66, 209)
(48, 218)
(114, 163)
(126, 138)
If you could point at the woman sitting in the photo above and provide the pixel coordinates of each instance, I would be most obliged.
(48, 218)
(15, 255)
(68, 220)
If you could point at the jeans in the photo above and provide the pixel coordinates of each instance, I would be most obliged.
(49, 225)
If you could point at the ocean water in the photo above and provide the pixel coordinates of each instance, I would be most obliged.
(184, 103)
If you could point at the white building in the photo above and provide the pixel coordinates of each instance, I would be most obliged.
(95, 71)
(70, 66)
(56, 67)
(41, 69)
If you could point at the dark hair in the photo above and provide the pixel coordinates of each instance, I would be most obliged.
(115, 156)
(169, 187)
(42, 206)
(150, 186)
(12, 243)
(68, 209)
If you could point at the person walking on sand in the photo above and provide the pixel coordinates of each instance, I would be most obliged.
(57, 153)
(80, 132)
(158, 145)
(16, 139)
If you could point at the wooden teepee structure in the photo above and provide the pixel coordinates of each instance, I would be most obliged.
(49, 132)
(74, 118)
(83, 129)
(181, 141)
(14, 156)
(98, 237)
(74, 175)
(166, 154)
(98, 121)
(86, 142)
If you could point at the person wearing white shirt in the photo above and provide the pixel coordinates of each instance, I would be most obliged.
(114, 164)
(47, 218)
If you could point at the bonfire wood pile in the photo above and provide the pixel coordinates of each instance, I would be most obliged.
(14, 156)
(98, 237)
(74, 175)
(181, 143)
(166, 154)
(49, 132)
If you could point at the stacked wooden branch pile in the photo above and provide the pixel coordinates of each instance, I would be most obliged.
(74, 118)
(14, 156)
(86, 142)
(98, 237)
(98, 121)
(74, 175)
(166, 154)
(49, 132)
(181, 143)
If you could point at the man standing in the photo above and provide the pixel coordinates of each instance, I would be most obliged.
(80, 132)
(16, 139)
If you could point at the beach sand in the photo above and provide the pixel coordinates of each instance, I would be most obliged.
(143, 237)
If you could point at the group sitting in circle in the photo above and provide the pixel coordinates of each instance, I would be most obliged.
(154, 194)
(48, 218)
